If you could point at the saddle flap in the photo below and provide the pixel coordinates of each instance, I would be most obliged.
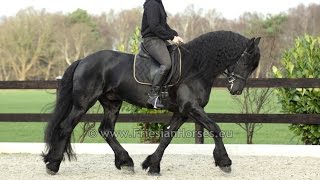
(145, 66)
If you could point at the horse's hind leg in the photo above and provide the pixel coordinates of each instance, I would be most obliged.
(62, 141)
(61, 134)
(106, 130)
(153, 161)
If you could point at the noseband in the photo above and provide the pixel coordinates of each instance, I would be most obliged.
(232, 76)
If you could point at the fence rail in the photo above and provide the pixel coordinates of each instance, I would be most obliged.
(164, 118)
(218, 117)
(256, 83)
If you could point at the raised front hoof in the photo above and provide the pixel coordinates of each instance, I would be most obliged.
(226, 169)
(223, 161)
(127, 169)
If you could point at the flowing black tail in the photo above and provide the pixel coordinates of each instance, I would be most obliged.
(62, 109)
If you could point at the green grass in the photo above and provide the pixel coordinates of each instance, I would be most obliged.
(41, 101)
(26, 101)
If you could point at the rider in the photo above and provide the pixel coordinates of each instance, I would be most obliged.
(155, 32)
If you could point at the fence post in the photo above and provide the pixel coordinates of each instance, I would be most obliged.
(199, 139)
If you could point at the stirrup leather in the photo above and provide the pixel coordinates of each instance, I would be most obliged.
(155, 102)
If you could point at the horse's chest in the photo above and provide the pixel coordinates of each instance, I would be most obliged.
(202, 95)
(203, 100)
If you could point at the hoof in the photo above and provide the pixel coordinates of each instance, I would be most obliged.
(226, 169)
(49, 171)
(127, 169)
(145, 165)
(52, 168)
(153, 174)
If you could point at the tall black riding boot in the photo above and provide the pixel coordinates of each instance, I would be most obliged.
(154, 94)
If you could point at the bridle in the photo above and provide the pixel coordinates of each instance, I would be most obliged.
(233, 76)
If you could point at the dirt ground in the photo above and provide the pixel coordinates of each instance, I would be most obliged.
(30, 166)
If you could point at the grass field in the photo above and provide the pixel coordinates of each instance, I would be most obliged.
(41, 101)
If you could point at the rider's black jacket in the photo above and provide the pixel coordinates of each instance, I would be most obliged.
(154, 21)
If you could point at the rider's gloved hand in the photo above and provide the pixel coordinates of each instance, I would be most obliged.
(177, 40)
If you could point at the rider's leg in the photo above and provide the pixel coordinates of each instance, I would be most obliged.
(158, 50)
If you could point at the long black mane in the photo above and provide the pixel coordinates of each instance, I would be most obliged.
(210, 53)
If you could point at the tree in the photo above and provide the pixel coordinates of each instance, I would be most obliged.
(25, 40)
(5, 71)
(193, 23)
(254, 101)
(78, 36)
(272, 31)
(123, 24)
(105, 30)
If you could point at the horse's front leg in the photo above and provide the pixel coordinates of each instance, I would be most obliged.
(153, 161)
(220, 154)
(190, 106)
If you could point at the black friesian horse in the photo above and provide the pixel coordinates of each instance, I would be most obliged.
(106, 76)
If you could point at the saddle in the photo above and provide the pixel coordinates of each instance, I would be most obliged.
(145, 67)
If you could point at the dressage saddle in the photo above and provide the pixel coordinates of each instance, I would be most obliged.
(145, 67)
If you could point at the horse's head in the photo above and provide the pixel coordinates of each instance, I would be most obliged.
(239, 72)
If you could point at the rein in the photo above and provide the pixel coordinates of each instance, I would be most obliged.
(179, 45)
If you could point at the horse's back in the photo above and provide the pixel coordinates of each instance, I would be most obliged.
(102, 66)
(108, 56)
(106, 59)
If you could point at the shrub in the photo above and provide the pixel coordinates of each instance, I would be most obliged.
(302, 61)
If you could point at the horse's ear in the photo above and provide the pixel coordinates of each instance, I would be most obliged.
(257, 41)
(250, 44)
(251, 41)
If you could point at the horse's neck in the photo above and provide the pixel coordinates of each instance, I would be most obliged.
(205, 62)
